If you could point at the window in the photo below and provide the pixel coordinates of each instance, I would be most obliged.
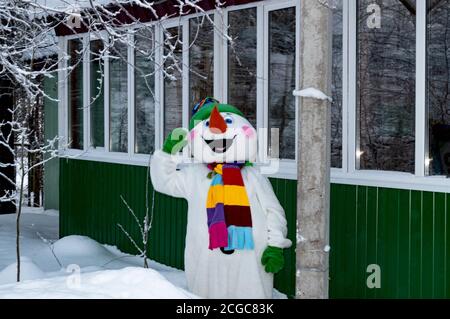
(242, 62)
(144, 91)
(173, 86)
(282, 43)
(97, 105)
(438, 88)
(75, 93)
(337, 86)
(118, 98)
(201, 59)
(386, 87)
(377, 96)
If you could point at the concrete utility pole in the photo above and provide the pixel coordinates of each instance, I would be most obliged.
(314, 152)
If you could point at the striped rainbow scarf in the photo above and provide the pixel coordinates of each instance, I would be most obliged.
(228, 209)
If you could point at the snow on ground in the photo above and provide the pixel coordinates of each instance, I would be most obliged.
(88, 269)
(34, 220)
(78, 266)
(130, 282)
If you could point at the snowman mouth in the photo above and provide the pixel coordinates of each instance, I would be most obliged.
(220, 145)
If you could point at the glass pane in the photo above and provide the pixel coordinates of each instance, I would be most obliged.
(173, 80)
(386, 85)
(336, 82)
(118, 98)
(282, 79)
(242, 62)
(97, 105)
(144, 92)
(201, 59)
(438, 63)
(75, 91)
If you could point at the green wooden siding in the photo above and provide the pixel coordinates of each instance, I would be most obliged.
(404, 232)
(90, 205)
(51, 168)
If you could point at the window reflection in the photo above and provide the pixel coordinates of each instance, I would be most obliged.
(336, 89)
(438, 90)
(144, 92)
(242, 62)
(118, 102)
(282, 79)
(386, 87)
(97, 104)
(75, 91)
(173, 80)
(201, 59)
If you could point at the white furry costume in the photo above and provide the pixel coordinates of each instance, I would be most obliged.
(211, 273)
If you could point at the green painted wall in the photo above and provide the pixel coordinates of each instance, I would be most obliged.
(51, 168)
(90, 205)
(405, 232)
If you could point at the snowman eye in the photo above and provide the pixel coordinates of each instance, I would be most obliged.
(228, 120)
(207, 123)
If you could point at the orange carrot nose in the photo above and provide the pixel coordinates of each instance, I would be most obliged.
(217, 124)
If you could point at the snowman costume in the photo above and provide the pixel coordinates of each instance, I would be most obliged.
(220, 134)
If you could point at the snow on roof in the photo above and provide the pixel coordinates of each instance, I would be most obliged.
(47, 43)
(63, 5)
(47, 46)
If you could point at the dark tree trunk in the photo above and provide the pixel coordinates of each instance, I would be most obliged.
(6, 103)
(35, 176)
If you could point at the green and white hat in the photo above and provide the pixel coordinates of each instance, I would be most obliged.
(202, 110)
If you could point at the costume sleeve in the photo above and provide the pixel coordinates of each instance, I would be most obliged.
(165, 176)
(276, 218)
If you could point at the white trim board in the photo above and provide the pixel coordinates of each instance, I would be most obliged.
(287, 170)
(405, 181)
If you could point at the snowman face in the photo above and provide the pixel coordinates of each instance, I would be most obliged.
(236, 141)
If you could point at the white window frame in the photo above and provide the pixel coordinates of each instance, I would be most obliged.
(92, 37)
(159, 97)
(156, 140)
(64, 74)
(287, 168)
(183, 25)
(421, 168)
(348, 174)
(259, 66)
(130, 97)
(218, 57)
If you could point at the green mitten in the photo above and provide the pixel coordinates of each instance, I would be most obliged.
(175, 141)
(273, 259)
